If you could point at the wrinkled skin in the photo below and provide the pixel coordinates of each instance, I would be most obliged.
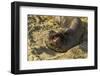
(63, 41)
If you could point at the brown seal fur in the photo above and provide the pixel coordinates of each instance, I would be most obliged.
(63, 41)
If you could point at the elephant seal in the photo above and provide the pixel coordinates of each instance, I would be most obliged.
(63, 41)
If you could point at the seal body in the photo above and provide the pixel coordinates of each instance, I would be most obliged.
(63, 41)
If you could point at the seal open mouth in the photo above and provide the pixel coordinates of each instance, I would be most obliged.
(55, 41)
